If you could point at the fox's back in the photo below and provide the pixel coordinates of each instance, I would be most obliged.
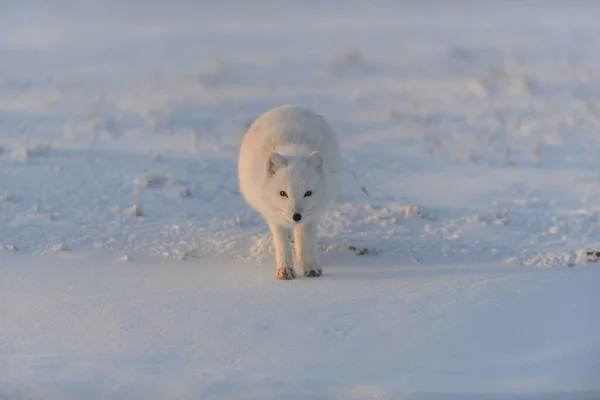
(291, 125)
(286, 126)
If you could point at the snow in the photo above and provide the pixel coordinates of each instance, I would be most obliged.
(164, 329)
(455, 261)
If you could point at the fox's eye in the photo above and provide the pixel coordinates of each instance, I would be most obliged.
(283, 194)
(308, 194)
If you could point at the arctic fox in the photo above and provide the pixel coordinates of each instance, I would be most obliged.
(289, 172)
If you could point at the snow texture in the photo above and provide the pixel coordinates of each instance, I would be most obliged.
(460, 258)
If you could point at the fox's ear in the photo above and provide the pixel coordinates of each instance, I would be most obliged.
(274, 162)
(315, 159)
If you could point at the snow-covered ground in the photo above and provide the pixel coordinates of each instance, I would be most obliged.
(455, 262)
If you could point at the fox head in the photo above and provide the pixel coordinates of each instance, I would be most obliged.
(295, 187)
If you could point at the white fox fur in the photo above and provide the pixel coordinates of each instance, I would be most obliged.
(289, 172)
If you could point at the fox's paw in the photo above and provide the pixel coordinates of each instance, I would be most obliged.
(285, 273)
(313, 272)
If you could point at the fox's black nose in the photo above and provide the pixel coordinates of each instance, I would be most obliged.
(296, 217)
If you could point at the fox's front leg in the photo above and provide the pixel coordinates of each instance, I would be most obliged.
(305, 242)
(283, 252)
